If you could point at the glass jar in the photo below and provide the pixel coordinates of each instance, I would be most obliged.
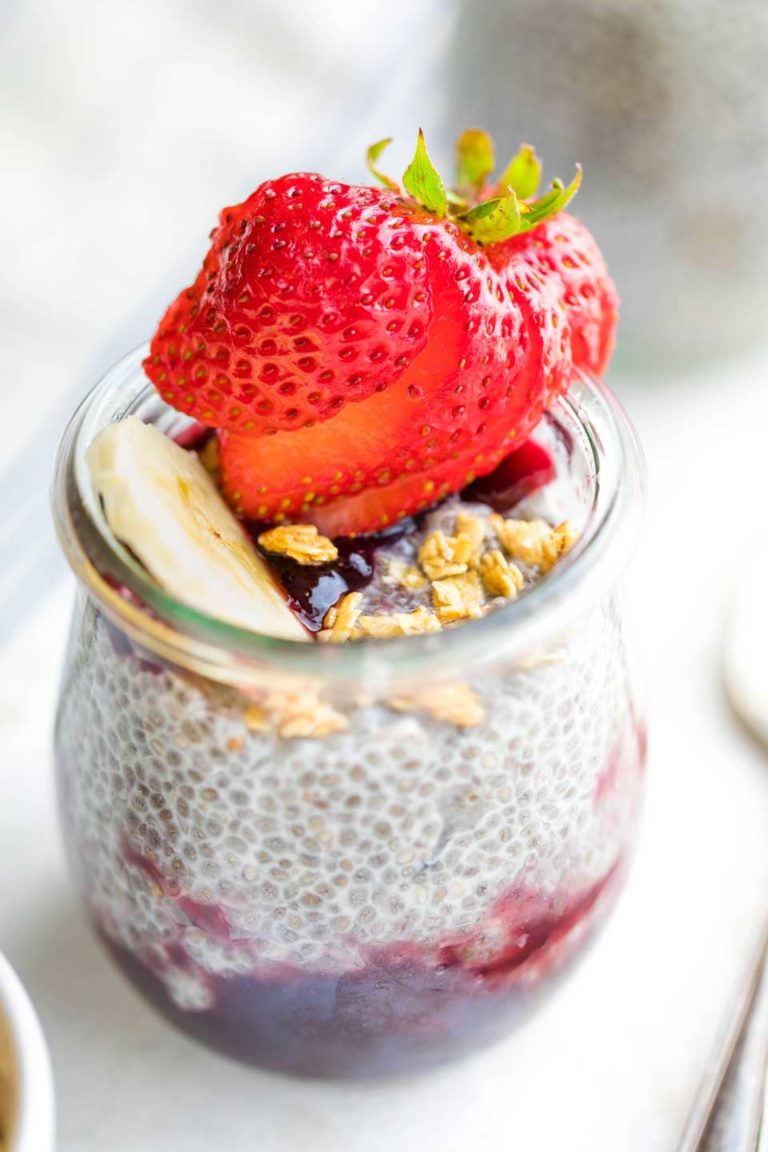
(362, 858)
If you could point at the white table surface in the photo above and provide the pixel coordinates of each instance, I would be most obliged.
(611, 1062)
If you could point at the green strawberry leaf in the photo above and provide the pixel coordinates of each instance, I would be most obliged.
(510, 211)
(551, 202)
(523, 173)
(372, 155)
(422, 180)
(493, 220)
(475, 159)
(456, 202)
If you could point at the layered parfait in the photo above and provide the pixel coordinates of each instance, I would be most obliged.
(348, 754)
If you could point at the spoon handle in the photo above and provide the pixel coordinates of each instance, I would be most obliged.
(727, 1114)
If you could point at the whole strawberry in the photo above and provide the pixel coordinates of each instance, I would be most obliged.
(364, 352)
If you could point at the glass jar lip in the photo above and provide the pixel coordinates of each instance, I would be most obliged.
(223, 651)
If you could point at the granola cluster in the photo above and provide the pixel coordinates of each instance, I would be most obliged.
(461, 569)
(534, 542)
(441, 555)
(295, 715)
(455, 703)
(304, 715)
(405, 575)
(481, 561)
(500, 578)
(300, 542)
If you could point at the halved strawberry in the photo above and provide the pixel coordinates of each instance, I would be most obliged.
(479, 385)
(363, 352)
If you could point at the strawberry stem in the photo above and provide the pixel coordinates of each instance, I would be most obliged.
(475, 159)
(523, 173)
(493, 220)
(511, 210)
(551, 202)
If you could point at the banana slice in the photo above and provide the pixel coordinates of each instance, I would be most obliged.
(161, 503)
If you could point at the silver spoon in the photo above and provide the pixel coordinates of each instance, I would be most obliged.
(728, 1112)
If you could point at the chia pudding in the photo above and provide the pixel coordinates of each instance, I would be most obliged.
(347, 803)
(347, 875)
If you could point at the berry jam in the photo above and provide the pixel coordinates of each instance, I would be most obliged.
(404, 1010)
(526, 470)
(371, 903)
(311, 591)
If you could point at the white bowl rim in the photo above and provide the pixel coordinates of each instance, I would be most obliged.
(33, 1129)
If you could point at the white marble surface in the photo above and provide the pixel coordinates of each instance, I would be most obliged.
(103, 208)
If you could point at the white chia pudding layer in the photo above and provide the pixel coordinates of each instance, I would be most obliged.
(210, 844)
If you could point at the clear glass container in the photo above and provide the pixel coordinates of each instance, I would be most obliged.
(350, 859)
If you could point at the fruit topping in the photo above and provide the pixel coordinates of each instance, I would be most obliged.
(564, 251)
(364, 352)
(160, 502)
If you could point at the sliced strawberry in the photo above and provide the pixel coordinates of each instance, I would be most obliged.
(565, 251)
(287, 475)
(362, 352)
(314, 294)
(452, 416)
(374, 508)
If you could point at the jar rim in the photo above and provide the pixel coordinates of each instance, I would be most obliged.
(177, 632)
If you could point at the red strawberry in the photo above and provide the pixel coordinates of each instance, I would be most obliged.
(363, 352)
(313, 295)
(564, 248)
(493, 365)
